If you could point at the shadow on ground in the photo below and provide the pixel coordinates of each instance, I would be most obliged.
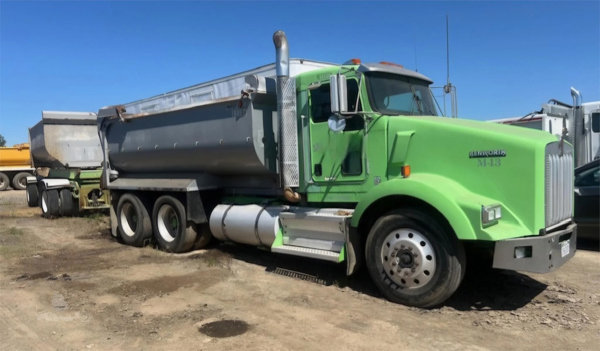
(494, 290)
(481, 289)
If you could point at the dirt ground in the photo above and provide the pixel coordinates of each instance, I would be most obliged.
(66, 284)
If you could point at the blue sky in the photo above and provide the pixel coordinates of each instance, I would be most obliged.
(507, 58)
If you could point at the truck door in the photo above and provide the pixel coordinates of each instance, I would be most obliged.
(335, 156)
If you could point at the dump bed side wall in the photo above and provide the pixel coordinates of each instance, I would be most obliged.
(221, 138)
(65, 146)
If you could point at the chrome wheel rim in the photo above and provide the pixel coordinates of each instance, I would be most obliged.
(44, 205)
(128, 219)
(167, 223)
(408, 258)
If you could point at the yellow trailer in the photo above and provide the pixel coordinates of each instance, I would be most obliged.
(15, 166)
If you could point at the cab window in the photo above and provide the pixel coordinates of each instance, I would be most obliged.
(596, 122)
(321, 105)
(589, 177)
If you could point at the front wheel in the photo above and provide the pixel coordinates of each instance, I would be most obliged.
(413, 260)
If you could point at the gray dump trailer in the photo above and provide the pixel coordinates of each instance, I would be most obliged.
(66, 155)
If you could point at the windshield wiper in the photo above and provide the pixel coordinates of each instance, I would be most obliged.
(428, 108)
(420, 103)
(417, 99)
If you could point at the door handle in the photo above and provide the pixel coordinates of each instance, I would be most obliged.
(318, 170)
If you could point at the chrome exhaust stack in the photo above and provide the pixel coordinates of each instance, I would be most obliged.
(577, 124)
(286, 114)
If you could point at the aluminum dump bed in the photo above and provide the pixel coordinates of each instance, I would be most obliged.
(65, 140)
(226, 137)
(216, 89)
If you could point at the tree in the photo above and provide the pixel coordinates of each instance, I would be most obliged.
(2, 141)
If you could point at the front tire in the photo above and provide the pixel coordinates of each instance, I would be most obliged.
(413, 260)
(133, 220)
(171, 230)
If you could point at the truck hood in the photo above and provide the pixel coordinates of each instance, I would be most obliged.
(501, 163)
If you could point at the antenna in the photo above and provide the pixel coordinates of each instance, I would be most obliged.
(415, 45)
(447, 51)
(449, 88)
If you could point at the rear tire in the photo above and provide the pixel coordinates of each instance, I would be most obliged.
(33, 195)
(412, 260)
(203, 236)
(66, 202)
(19, 181)
(4, 181)
(133, 220)
(171, 230)
(50, 203)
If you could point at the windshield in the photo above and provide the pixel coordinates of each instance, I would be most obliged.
(400, 95)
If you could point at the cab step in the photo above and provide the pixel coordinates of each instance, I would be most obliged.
(307, 252)
(313, 232)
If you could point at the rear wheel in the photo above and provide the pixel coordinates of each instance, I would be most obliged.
(171, 230)
(203, 236)
(66, 203)
(50, 203)
(19, 181)
(412, 260)
(134, 221)
(33, 195)
(4, 181)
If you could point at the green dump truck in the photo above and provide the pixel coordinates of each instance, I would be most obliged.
(346, 163)
(66, 155)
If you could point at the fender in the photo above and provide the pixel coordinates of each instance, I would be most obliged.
(458, 205)
(56, 183)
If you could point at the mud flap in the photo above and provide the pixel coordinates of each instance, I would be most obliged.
(113, 222)
(353, 251)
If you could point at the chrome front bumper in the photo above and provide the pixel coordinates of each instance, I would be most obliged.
(538, 254)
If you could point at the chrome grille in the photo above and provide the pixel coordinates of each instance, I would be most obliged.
(559, 183)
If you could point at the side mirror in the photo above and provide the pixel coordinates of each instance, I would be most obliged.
(338, 94)
(336, 123)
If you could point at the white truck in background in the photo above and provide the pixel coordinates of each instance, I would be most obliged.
(580, 122)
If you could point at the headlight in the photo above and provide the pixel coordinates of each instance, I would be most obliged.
(490, 214)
